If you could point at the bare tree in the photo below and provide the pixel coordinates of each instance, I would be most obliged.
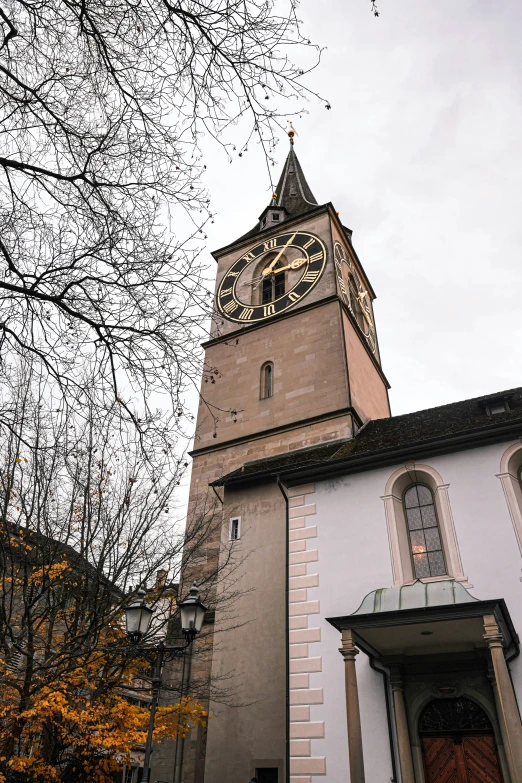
(85, 517)
(103, 211)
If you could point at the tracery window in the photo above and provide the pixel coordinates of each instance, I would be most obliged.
(450, 716)
(423, 531)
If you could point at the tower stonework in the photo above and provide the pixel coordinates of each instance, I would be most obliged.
(297, 364)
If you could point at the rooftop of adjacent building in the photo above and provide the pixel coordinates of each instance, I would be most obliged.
(445, 428)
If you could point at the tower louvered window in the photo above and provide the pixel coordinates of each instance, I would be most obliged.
(273, 287)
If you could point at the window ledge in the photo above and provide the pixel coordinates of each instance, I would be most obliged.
(463, 580)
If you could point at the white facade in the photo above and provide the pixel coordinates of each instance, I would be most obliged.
(342, 543)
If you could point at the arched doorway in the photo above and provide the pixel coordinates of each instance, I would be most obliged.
(458, 743)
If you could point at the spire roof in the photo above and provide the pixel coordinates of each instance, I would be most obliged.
(293, 194)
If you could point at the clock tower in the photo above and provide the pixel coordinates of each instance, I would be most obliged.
(292, 361)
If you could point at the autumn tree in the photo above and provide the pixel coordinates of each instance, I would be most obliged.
(86, 516)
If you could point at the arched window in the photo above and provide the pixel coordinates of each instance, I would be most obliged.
(453, 716)
(511, 477)
(423, 531)
(422, 537)
(267, 380)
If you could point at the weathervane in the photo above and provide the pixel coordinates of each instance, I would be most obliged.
(291, 132)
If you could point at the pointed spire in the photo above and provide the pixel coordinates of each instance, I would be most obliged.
(293, 192)
(292, 196)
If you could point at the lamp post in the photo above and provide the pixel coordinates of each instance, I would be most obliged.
(138, 616)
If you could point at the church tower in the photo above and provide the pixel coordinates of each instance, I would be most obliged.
(294, 362)
(293, 339)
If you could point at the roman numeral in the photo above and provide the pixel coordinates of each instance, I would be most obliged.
(293, 296)
(268, 310)
(233, 274)
(270, 244)
(246, 313)
(225, 291)
(310, 242)
(309, 277)
(338, 263)
(230, 307)
(317, 256)
(341, 285)
(249, 257)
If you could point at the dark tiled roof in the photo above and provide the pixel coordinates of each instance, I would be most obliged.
(293, 192)
(424, 430)
(44, 550)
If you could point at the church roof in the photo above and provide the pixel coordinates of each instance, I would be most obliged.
(419, 595)
(452, 427)
(292, 193)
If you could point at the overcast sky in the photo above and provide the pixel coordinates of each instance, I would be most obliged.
(420, 154)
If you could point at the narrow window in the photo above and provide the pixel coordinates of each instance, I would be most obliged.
(273, 287)
(275, 216)
(424, 533)
(267, 290)
(267, 380)
(235, 528)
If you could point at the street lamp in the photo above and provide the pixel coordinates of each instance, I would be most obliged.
(138, 616)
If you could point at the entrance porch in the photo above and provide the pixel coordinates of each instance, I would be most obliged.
(452, 709)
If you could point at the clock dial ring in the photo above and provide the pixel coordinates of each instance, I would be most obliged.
(358, 293)
(312, 259)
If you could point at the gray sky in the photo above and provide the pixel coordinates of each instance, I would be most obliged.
(420, 154)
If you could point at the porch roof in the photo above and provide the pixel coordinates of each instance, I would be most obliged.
(418, 595)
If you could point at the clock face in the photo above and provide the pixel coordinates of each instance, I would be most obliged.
(353, 294)
(297, 255)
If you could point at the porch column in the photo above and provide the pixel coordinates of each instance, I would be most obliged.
(353, 716)
(403, 734)
(509, 719)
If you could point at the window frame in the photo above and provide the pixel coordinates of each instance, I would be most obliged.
(267, 388)
(510, 478)
(398, 535)
(232, 521)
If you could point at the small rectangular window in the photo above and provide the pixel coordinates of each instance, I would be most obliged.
(275, 216)
(267, 774)
(497, 407)
(235, 531)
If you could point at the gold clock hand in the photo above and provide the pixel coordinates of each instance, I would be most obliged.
(361, 296)
(295, 264)
(269, 268)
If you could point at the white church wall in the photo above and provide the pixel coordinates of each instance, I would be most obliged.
(353, 558)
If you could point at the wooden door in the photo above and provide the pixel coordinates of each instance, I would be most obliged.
(465, 759)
